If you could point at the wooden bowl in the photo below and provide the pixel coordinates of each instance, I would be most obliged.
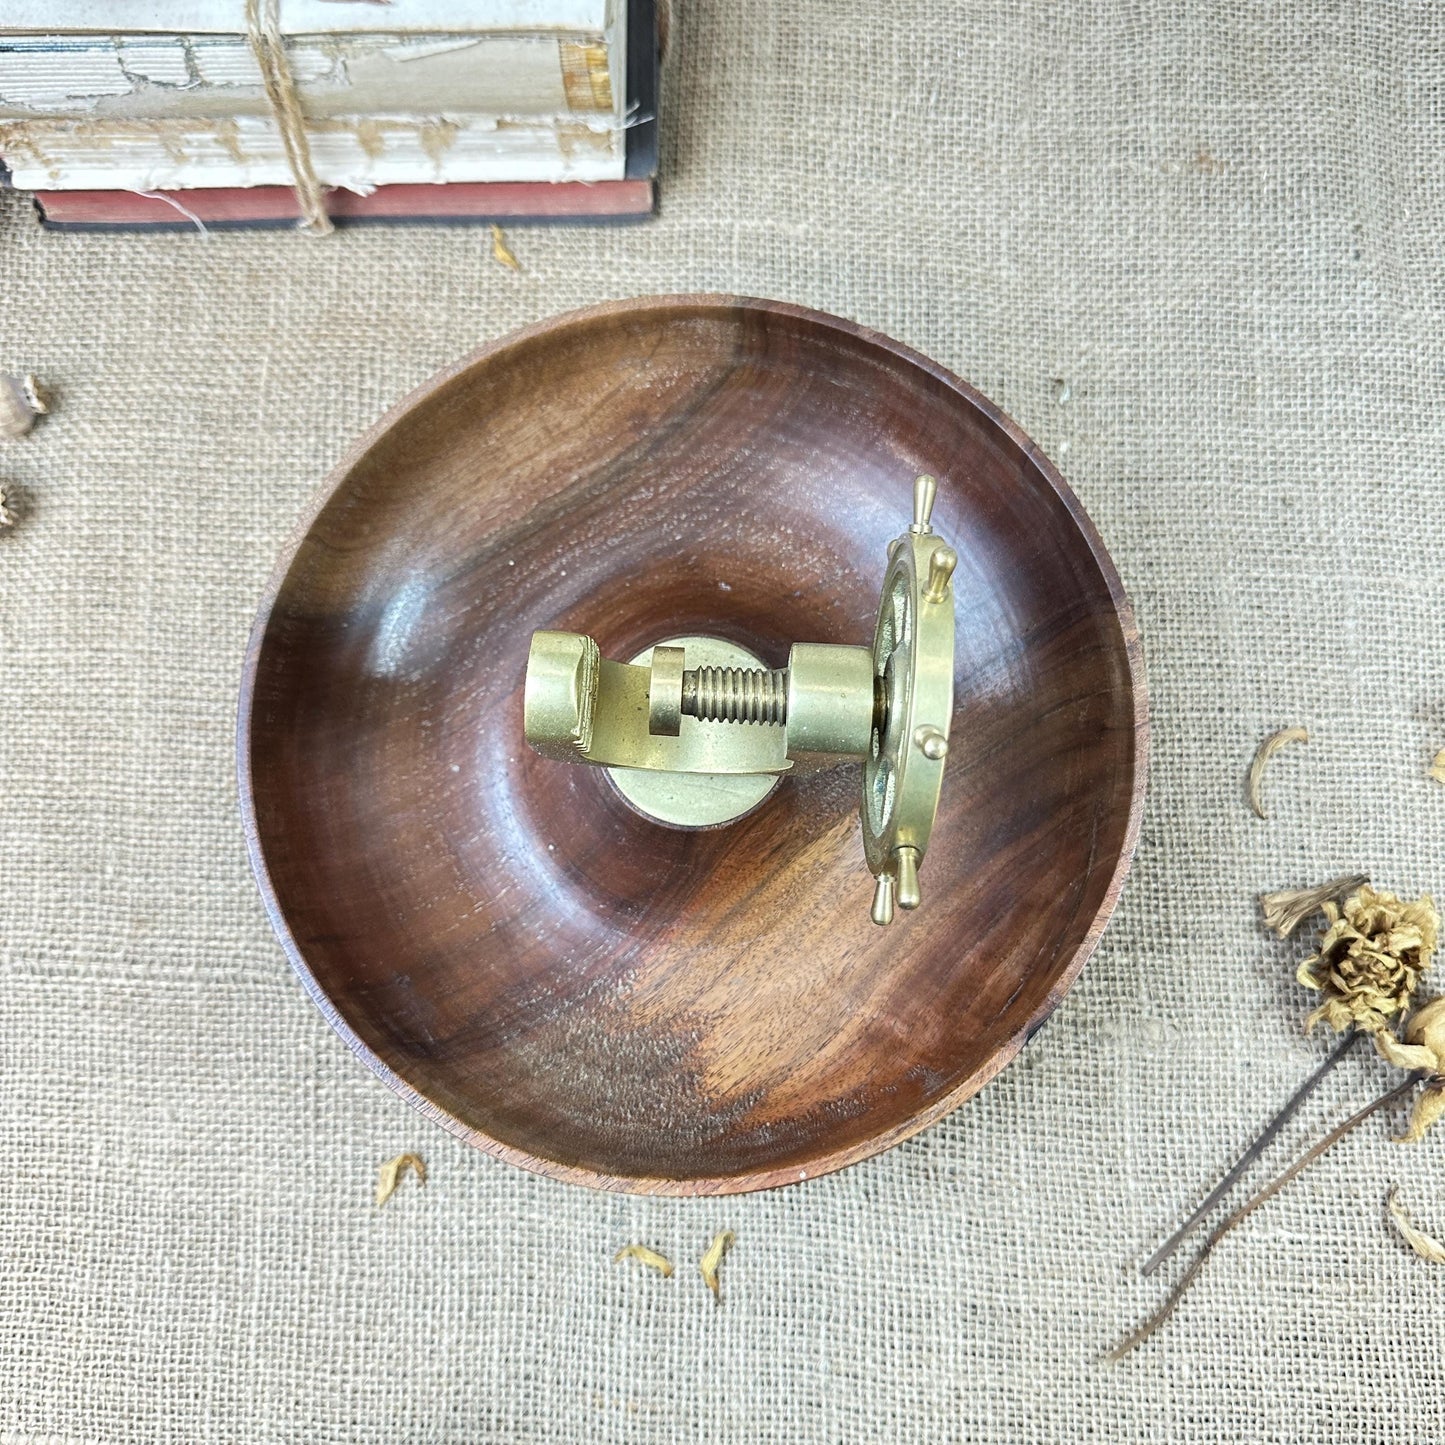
(500, 937)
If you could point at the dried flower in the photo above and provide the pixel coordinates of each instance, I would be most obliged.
(390, 1173)
(1370, 959)
(1425, 1245)
(1368, 966)
(1267, 749)
(643, 1255)
(721, 1243)
(1286, 910)
(1423, 1049)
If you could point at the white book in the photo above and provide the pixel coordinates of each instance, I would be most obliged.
(305, 17)
(358, 154)
(132, 76)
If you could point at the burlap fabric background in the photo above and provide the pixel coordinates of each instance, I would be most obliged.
(1196, 251)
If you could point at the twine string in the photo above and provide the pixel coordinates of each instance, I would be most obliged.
(263, 29)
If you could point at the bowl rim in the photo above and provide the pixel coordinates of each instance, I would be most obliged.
(1003, 1054)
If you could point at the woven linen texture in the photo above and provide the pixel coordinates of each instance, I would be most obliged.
(1196, 251)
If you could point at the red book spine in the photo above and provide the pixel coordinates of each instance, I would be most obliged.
(480, 201)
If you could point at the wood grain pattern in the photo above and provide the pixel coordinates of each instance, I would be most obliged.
(500, 937)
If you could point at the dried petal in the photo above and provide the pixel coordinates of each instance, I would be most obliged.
(1428, 1108)
(643, 1255)
(1267, 749)
(21, 401)
(1423, 1244)
(502, 252)
(1427, 1027)
(721, 1243)
(390, 1173)
(1286, 910)
(1437, 768)
(1403, 1056)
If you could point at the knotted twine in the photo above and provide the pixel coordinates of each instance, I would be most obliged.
(263, 28)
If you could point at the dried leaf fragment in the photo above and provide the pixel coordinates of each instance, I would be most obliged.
(643, 1255)
(1426, 1246)
(21, 401)
(1286, 910)
(1437, 768)
(390, 1174)
(1267, 749)
(501, 252)
(708, 1267)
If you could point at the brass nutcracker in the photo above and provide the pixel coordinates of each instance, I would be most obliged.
(695, 731)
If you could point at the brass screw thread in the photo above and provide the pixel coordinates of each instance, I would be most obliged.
(736, 694)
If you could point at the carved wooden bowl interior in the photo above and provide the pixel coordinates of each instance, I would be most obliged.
(586, 993)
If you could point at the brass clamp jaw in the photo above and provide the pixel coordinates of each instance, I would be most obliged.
(695, 731)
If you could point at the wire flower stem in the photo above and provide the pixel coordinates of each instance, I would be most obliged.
(1245, 1210)
(1262, 1141)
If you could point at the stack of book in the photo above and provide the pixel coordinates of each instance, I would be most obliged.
(123, 113)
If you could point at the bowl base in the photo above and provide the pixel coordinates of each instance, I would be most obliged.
(695, 800)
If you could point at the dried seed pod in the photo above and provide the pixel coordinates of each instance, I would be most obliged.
(1425, 1245)
(1286, 910)
(643, 1255)
(708, 1267)
(389, 1175)
(21, 401)
(1267, 749)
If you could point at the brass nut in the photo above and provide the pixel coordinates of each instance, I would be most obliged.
(664, 692)
(830, 699)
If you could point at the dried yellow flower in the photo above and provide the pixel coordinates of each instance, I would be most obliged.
(501, 252)
(1267, 749)
(389, 1175)
(1425, 1245)
(721, 1243)
(1286, 910)
(643, 1255)
(1370, 959)
(1422, 1049)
